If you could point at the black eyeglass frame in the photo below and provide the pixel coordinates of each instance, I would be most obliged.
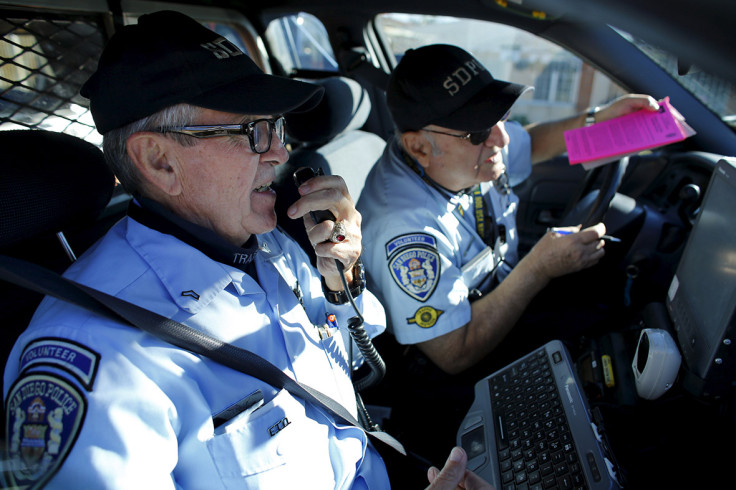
(217, 130)
(475, 137)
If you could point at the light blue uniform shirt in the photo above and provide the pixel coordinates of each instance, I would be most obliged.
(103, 404)
(422, 252)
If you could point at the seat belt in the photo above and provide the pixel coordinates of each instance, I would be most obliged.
(45, 281)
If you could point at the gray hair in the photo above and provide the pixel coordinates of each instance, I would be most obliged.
(114, 142)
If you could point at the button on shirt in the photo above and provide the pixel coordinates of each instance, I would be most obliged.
(132, 411)
(422, 250)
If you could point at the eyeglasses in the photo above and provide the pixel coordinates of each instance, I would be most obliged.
(475, 137)
(259, 132)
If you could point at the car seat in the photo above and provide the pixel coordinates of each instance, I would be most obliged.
(50, 183)
(328, 137)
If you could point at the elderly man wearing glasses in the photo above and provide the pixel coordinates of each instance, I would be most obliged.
(439, 220)
(193, 130)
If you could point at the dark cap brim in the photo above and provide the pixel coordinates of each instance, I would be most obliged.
(485, 108)
(260, 95)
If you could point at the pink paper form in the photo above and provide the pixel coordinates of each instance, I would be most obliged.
(608, 140)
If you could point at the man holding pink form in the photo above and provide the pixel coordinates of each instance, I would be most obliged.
(440, 240)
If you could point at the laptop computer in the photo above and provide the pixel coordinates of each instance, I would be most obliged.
(530, 427)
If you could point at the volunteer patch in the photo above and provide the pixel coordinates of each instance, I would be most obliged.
(44, 416)
(425, 317)
(414, 266)
(410, 239)
(72, 357)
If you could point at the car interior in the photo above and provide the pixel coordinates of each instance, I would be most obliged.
(672, 274)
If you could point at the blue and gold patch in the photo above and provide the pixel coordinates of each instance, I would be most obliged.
(414, 264)
(44, 416)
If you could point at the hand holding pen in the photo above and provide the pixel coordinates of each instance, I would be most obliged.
(555, 255)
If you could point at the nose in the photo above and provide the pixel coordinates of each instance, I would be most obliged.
(277, 153)
(498, 136)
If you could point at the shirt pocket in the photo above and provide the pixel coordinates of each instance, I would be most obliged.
(272, 447)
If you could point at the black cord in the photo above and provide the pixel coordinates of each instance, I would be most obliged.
(341, 270)
(370, 355)
(362, 340)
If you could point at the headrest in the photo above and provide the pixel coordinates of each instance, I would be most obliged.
(345, 106)
(49, 182)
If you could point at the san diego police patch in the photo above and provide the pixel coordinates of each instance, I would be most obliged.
(44, 415)
(414, 264)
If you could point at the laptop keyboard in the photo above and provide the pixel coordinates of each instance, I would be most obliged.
(535, 447)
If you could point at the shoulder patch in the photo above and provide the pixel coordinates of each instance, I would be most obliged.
(74, 358)
(44, 416)
(425, 317)
(414, 264)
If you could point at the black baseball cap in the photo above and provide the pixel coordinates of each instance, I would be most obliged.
(445, 85)
(168, 58)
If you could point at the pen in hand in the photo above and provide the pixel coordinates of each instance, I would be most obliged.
(607, 238)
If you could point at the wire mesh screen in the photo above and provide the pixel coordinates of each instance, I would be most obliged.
(43, 64)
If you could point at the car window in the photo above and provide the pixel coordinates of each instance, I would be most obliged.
(300, 42)
(563, 84)
(43, 62)
(45, 59)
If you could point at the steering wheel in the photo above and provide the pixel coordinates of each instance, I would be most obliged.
(589, 206)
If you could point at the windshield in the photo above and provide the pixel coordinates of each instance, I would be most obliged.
(718, 94)
(564, 84)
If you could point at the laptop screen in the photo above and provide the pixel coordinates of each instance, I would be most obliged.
(702, 295)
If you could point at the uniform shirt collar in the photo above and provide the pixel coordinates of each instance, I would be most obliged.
(191, 279)
(153, 215)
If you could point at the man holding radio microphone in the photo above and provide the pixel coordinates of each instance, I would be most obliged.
(193, 130)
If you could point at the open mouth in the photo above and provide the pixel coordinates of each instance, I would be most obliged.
(263, 188)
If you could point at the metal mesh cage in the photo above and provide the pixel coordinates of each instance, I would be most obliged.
(44, 61)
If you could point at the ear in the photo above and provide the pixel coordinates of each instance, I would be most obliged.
(152, 155)
(417, 146)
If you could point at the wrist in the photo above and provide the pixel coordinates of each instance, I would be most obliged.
(590, 116)
(334, 283)
(356, 286)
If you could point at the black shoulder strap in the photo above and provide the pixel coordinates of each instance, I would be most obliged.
(45, 281)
